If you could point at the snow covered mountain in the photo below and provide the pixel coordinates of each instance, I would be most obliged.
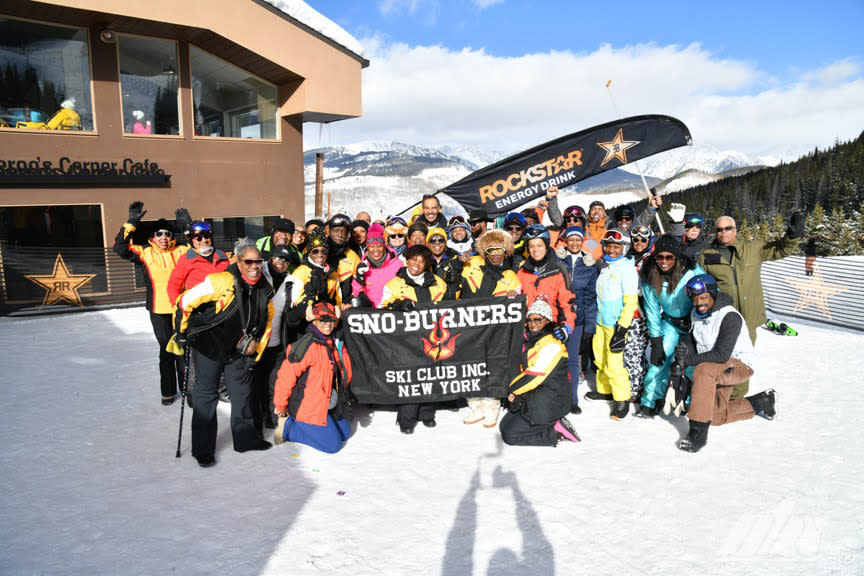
(387, 177)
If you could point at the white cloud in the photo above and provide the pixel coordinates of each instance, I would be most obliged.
(411, 6)
(483, 4)
(431, 95)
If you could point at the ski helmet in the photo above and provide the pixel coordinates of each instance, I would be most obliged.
(700, 284)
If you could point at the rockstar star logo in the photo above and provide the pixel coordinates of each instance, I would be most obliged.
(60, 285)
(814, 292)
(617, 148)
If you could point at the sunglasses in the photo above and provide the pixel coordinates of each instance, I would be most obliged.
(664, 257)
(397, 235)
(161, 233)
(319, 251)
(202, 236)
(253, 261)
(495, 250)
(625, 219)
(534, 320)
(326, 320)
(636, 239)
(514, 228)
(475, 222)
(573, 218)
(724, 229)
(437, 240)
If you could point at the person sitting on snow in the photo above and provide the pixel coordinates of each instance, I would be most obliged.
(718, 354)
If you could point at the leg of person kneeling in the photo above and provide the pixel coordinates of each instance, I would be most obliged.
(328, 438)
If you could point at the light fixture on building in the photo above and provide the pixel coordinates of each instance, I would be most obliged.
(108, 36)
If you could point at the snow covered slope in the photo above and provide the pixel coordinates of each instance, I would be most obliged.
(702, 158)
(91, 485)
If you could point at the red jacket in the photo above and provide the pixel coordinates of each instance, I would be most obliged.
(305, 380)
(551, 283)
(192, 269)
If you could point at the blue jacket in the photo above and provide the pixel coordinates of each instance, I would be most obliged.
(674, 305)
(582, 276)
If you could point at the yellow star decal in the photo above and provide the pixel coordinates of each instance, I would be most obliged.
(60, 285)
(814, 292)
(617, 148)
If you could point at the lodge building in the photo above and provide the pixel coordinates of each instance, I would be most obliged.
(197, 103)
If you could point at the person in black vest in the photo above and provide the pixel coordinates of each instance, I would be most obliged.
(226, 319)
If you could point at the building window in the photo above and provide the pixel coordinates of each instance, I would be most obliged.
(229, 101)
(44, 76)
(227, 230)
(148, 82)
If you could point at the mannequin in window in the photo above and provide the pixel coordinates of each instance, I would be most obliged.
(66, 118)
(141, 126)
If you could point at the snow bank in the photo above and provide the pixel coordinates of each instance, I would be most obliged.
(91, 485)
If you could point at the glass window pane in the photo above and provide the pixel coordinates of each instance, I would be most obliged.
(44, 76)
(229, 101)
(148, 81)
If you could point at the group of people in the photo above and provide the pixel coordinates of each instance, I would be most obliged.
(606, 293)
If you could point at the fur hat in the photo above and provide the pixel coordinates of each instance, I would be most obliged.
(495, 239)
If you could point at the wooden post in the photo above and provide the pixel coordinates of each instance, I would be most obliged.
(319, 184)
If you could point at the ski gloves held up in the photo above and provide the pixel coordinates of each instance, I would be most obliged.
(136, 212)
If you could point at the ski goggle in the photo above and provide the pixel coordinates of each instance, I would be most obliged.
(641, 232)
(495, 250)
(574, 211)
(614, 236)
(537, 231)
(199, 227)
(455, 220)
(339, 221)
(515, 217)
(693, 220)
(701, 284)
(396, 220)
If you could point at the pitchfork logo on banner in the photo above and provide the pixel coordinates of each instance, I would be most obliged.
(453, 349)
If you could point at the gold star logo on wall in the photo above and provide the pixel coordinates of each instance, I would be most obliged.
(814, 292)
(60, 285)
(617, 148)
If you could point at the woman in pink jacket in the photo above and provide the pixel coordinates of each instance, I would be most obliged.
(378, 267)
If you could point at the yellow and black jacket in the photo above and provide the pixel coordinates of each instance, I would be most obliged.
(155, 263)
(482, 281)
(215, 313)
(542, 389)
(401, 287)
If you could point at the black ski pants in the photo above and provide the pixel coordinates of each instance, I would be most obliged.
(205, 398)
(264, 384)
(407, 415)
(517, 431)
(170, 365)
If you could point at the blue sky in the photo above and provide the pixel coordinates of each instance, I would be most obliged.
(782, 77)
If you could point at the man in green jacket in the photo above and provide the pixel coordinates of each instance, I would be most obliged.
(736, 264)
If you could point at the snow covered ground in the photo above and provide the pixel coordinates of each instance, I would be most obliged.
(91, 486)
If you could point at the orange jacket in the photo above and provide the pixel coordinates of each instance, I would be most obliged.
(594, 238)
(305, 380)
(551, 285)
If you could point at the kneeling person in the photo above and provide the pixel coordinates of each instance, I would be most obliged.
(310, 394)
(719, 355)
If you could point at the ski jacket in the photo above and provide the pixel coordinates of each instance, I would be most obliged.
(617, 293)
(343, 261)
(672, 306)
(740, 276)
(156, 264)
(449, 269)
(549, 282)
(217, 312)
(593, 242)
(287, 292)
(693, 248)
(582, 276)
(377, 277)
(401, 287)
(542, 389)
(313, 368)
(481, 281)
(191, 269)
(721, 335)
(329, 285)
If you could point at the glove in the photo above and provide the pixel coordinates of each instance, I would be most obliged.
(315, 285)
(676, 212)
(658, 354)
(362, 301)
(796, 225)
(180, 338)
(450, 276)
(182, 219)
(619, 338)
(586, 343)
(562, 332)
(403, 305)
(360, 275)
(136, 212)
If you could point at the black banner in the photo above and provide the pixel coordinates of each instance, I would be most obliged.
(453, 349)
(501, 187)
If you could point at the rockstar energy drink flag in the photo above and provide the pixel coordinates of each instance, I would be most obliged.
(453, 349)
(501, 187)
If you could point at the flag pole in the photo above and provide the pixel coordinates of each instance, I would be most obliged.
(636, 162)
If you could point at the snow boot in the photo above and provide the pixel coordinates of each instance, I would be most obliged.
(566, 431)
(619, 409)
(763, 403)
(430, 423)
(598, 396)
(406, 429)
(575, 409)
(206, 461)
(168, 400)
(491, 410)
(696, 438)
(644, 412)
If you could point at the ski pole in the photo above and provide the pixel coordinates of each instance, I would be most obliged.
(187, 357)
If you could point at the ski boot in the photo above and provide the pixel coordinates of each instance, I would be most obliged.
(598, 396)
(644, 412)
(619, 409)
(763, 403)
(696, 438)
